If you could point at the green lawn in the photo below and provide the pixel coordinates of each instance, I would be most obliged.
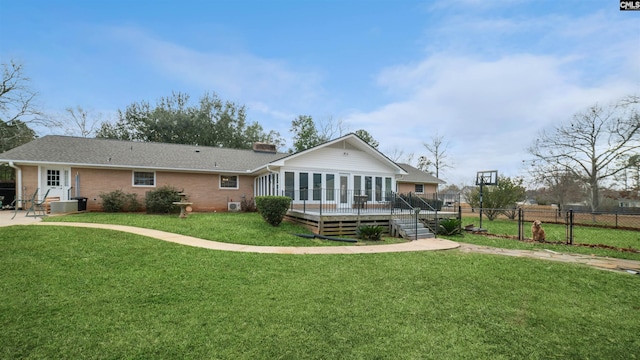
(555, 233)
(237, 228)
(250, 229)
(88, 293)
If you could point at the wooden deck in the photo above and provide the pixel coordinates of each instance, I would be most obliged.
(347, 223)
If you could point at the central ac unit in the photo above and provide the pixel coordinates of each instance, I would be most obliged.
(233, 206)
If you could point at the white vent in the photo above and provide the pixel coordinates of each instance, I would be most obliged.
(233, 206)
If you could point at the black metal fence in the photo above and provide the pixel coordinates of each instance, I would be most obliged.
(326, 201)
(524, 217)
(608, 219)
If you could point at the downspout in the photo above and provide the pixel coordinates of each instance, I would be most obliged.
(18, 180)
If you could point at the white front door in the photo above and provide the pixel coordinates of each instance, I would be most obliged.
(56, 181)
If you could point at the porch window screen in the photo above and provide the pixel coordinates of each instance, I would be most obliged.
(378, 188)
(330, 184)
(388, 189)
(317, 186)
(289, 184)
(144, 178)
(229, 181)
(368, 186)
(304, 186)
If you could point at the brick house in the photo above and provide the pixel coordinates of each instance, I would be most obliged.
(215, 179)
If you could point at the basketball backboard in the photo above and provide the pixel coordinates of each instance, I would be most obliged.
(489, 177)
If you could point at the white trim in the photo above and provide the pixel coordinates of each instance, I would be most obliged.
(228, 188)
(133, 178)
(353, 140)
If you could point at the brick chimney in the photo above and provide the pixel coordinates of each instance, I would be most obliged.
(264, 147)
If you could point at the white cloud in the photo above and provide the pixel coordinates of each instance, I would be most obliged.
(489, 84)
(490, 111)
(236, 76)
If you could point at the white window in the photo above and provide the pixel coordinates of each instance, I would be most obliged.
(419, 188)
(228, 181)
(144, 178)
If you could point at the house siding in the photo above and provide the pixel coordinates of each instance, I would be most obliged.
(344, 160)
(29, 180)
(404, 188)
(101, 169)
(202, 189)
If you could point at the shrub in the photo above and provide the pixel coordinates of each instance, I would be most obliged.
(160, 200)
(450, 227)
(248, 205)
(273, 208)
(118, 200)
(370, 232)
(131, 202)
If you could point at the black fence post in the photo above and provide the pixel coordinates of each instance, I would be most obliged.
(569, 232)
(520, 225)
(416, 211)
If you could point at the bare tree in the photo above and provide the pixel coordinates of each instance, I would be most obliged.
(80, 121)
(16, 96)
(18, 111)
(330, 129)
(629, 179)
(17, 107)
(560, 185)
(397, 155)
(590, 144)
(438, 149)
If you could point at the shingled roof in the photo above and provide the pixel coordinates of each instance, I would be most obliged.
(76, 151)
(415, 175)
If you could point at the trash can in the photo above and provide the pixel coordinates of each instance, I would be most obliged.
(82, 203)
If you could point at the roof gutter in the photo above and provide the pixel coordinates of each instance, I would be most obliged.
(18, 180)
(271, 171)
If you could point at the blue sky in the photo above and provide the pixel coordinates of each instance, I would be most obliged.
(485, 75)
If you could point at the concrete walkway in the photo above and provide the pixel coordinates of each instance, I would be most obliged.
(605, 263)
(620, 265)
(419, 245)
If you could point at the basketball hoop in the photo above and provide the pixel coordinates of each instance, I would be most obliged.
(489, 177)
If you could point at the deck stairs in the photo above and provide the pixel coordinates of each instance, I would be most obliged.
(406, 228)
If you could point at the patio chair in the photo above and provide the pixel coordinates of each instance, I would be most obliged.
(19, 203)
(37, 206)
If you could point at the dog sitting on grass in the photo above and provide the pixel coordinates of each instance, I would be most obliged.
(537, 231)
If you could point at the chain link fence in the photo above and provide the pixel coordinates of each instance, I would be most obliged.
(551, 215)
(570, 227)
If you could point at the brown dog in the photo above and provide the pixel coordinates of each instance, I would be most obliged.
(537, 231)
